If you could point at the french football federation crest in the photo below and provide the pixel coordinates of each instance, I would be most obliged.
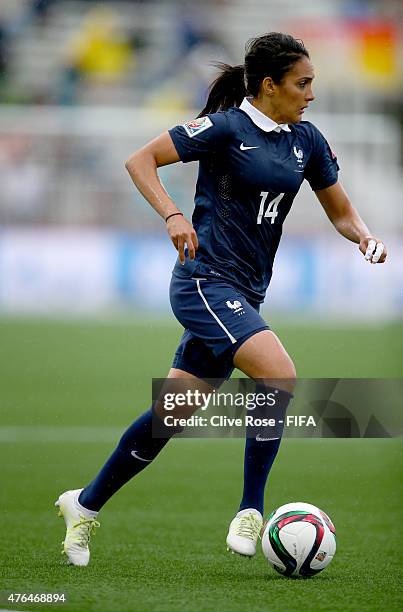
(299, 154)
(196, 126)
(235, 306)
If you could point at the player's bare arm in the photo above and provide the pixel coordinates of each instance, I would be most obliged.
(349, 224)
(142, 167)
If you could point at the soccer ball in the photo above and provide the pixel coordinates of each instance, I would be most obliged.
(299, 539)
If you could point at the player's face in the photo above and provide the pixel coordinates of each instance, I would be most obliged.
(292, 96)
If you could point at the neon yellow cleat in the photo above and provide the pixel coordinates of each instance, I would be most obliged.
(80, 524)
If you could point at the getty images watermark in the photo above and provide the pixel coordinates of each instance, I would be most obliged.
(317, 408)
(255, 406)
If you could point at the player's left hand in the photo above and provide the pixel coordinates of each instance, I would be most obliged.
(373, 250)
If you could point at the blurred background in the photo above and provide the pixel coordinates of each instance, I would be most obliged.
(85, 321)
(85, 83)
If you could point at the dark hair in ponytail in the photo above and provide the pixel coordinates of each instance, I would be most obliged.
(227, 90)
(272, 55)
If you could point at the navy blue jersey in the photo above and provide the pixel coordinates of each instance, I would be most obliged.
(250, 170)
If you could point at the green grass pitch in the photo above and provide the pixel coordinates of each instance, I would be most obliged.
(67, 389)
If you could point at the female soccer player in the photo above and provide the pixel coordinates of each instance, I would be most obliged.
(254, 152)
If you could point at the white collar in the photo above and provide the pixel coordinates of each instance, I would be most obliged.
(260, 119)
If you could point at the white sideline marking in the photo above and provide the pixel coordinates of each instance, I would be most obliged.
(220, 323)
(26, 434)
(60, 434)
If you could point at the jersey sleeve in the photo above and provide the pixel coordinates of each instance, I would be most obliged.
(322, 168)
(200, 137)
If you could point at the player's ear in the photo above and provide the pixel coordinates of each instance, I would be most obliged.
(267, 86)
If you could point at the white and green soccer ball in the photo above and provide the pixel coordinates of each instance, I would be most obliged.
(299, 539)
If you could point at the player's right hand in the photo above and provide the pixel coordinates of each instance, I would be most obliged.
(182, 235)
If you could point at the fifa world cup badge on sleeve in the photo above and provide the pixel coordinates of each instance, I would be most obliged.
(196, 126)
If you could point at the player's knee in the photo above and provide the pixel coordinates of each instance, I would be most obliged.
(282, 375)
(291, 377)
(291, 373)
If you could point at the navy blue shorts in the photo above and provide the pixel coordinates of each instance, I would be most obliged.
(217, 319)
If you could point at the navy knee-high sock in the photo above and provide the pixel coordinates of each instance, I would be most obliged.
(260, 452)
(136, 449)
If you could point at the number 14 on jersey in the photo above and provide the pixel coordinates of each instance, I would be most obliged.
(271, 210)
